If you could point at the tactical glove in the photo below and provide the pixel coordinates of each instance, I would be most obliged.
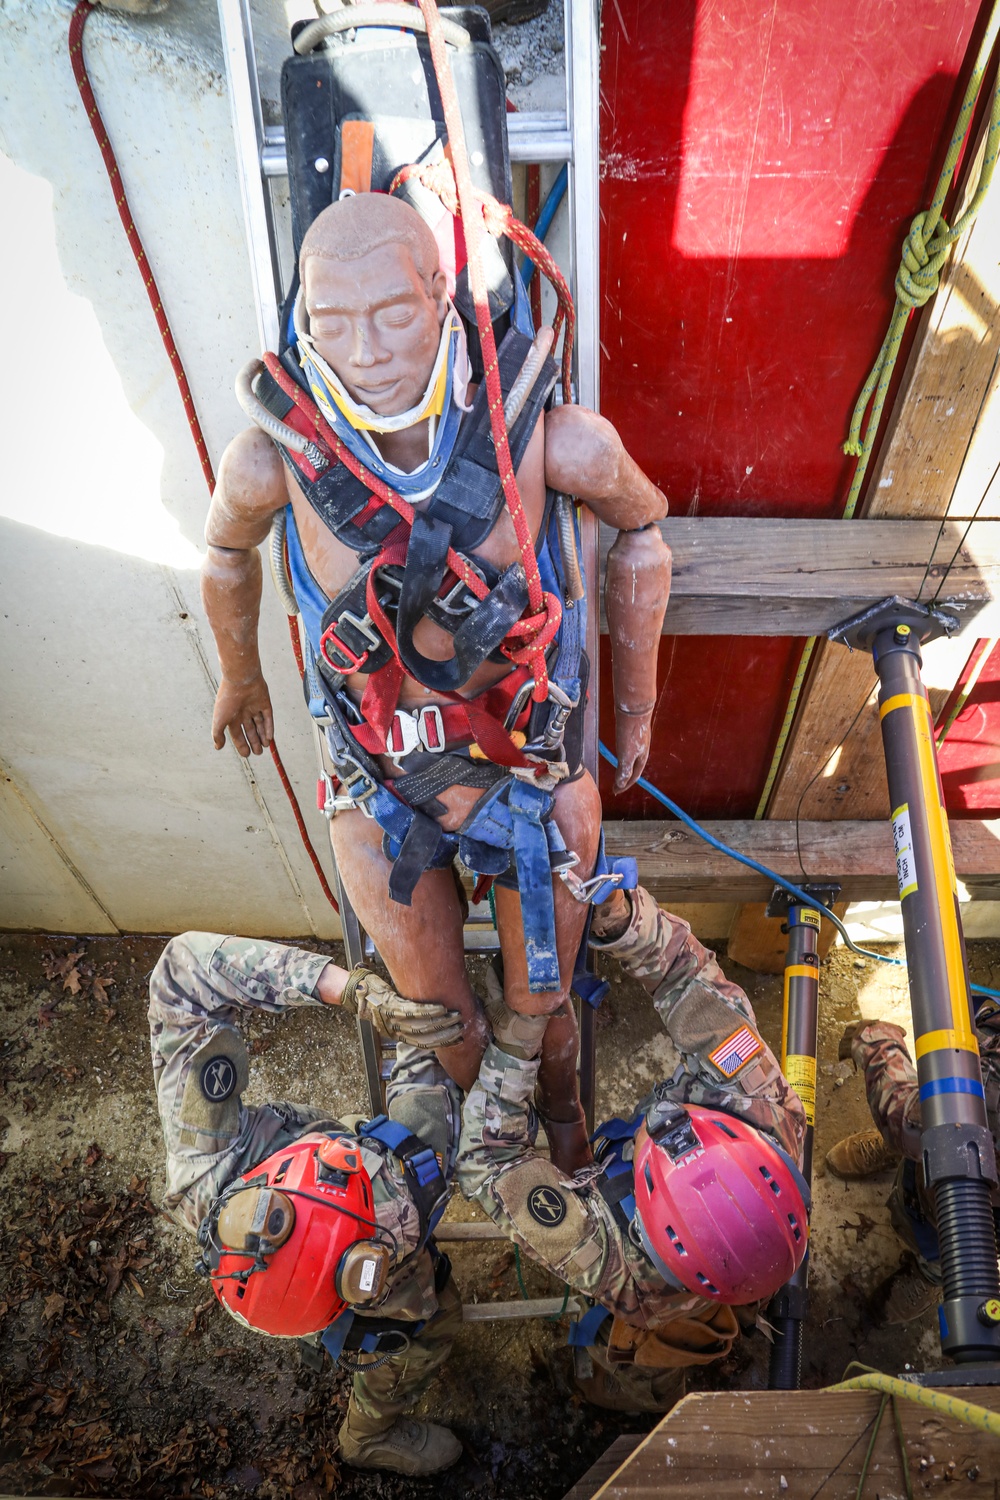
(421, 1023)
(519, 1035)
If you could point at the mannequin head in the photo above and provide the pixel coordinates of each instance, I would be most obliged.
(375, 297)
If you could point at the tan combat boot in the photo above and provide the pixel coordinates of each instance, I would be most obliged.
(407, 1447)
(860, 1155)
(905, 1295)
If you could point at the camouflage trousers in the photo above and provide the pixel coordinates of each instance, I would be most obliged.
(380, 1396)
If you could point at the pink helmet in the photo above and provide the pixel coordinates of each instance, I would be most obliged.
(720, 1209)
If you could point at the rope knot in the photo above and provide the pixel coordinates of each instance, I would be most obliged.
(920, 267)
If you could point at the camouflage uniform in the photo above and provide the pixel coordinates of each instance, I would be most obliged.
(879, 1052)
(200, 1068)
(582, 1241)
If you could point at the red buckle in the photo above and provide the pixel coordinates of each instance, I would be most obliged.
(352, 661)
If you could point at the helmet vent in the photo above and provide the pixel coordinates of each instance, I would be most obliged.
(726, 1131)
(241, 1290)
(707, 1284)
(283, 1169)
(775, 1189)
(675, 1240)
(795, 1226)
(649, 1178)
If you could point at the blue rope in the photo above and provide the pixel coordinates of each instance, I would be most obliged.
(753, 864)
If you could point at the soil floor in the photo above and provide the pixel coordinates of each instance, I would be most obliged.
(119, 1374)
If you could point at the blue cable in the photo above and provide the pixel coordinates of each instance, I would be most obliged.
(753, 864)
(543, 223)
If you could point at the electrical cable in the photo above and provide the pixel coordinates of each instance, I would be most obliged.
(752, 864)
(543, 223)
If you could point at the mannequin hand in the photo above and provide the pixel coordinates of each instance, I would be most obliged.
(632, 736)
(245, 710)
(519, 1035)
(421, 1023)
(844, 1051)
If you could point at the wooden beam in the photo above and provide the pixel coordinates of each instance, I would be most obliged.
(764, 576)
(675, 865)
(758, 1445)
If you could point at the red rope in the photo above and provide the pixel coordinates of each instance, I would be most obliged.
(472, 223)
(76, 27)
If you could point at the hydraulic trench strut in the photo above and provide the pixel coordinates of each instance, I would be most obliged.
(958, 1153)
(787, 1310)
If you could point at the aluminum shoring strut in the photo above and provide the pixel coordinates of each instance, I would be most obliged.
(959, 1161)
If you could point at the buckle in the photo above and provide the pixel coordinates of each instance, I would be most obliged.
(430, 728)
(403, 734)
(361, 800)
(352, 661)
(586, 891)
(460, 599)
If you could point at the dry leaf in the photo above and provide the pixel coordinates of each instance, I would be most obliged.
(54, 1304)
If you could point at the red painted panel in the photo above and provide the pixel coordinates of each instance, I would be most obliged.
(970, 755)
(761, 160)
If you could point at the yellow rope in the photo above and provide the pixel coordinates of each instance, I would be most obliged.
(925, 251)
(945, 1406)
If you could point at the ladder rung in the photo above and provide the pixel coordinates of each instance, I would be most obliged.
(533, 137)
(454, 1232)
(534, 1307)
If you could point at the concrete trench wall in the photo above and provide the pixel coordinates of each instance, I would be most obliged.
(115, 810)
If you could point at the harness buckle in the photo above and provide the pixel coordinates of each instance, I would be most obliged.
(403, 734)
(460, 599)
(585, 891)
(352, 660)
(430, 727)
(331, 803)
(349, 782)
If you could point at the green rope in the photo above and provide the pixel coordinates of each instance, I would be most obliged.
(493, 906)
(552, 1317)
(925, 251)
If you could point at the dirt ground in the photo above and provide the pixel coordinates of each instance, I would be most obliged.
(122, 1377)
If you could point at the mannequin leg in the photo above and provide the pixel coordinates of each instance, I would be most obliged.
(421, 945)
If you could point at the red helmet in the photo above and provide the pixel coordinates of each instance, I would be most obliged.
(290, 1243)
(720, 1209)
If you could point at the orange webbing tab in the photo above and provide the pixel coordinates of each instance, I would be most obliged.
(357, 142)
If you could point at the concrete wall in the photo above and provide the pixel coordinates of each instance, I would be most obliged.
(115, 811)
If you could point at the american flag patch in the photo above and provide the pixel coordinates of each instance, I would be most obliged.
(736, 1051)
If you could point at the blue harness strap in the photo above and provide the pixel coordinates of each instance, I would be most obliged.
(583, 1331)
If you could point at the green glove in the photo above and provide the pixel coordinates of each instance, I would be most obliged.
(422, 1023)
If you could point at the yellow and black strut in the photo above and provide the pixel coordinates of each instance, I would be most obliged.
(958, 1156)
(800, 1018)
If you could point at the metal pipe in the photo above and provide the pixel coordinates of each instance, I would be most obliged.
(958, 1154)
(800, 1018)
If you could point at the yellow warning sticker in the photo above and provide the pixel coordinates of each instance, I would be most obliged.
(800, 1070)
(906, 867)
(809, 916)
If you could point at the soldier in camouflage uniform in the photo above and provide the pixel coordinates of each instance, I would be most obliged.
(199, 989)
(568, 1224)
(878, 1050)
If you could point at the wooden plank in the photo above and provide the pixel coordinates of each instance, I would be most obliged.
(743, 575)
(605, 1468)
(806, 1445)
(759, 942)
(676, 865)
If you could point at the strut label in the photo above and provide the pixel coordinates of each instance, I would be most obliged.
(800, 1070)
(906, 867)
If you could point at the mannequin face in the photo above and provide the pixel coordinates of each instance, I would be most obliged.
(376, 325)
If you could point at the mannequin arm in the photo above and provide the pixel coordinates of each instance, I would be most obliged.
(249, 492)
(585, 457)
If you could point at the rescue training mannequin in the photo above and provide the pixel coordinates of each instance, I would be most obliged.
(309, 1227)
(694, 1205)
(412, 664)
(878, 1050)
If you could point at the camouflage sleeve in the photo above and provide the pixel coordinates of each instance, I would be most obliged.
(725, 1062)
(879, 1051)
(200, 1066)
(564, 1224)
